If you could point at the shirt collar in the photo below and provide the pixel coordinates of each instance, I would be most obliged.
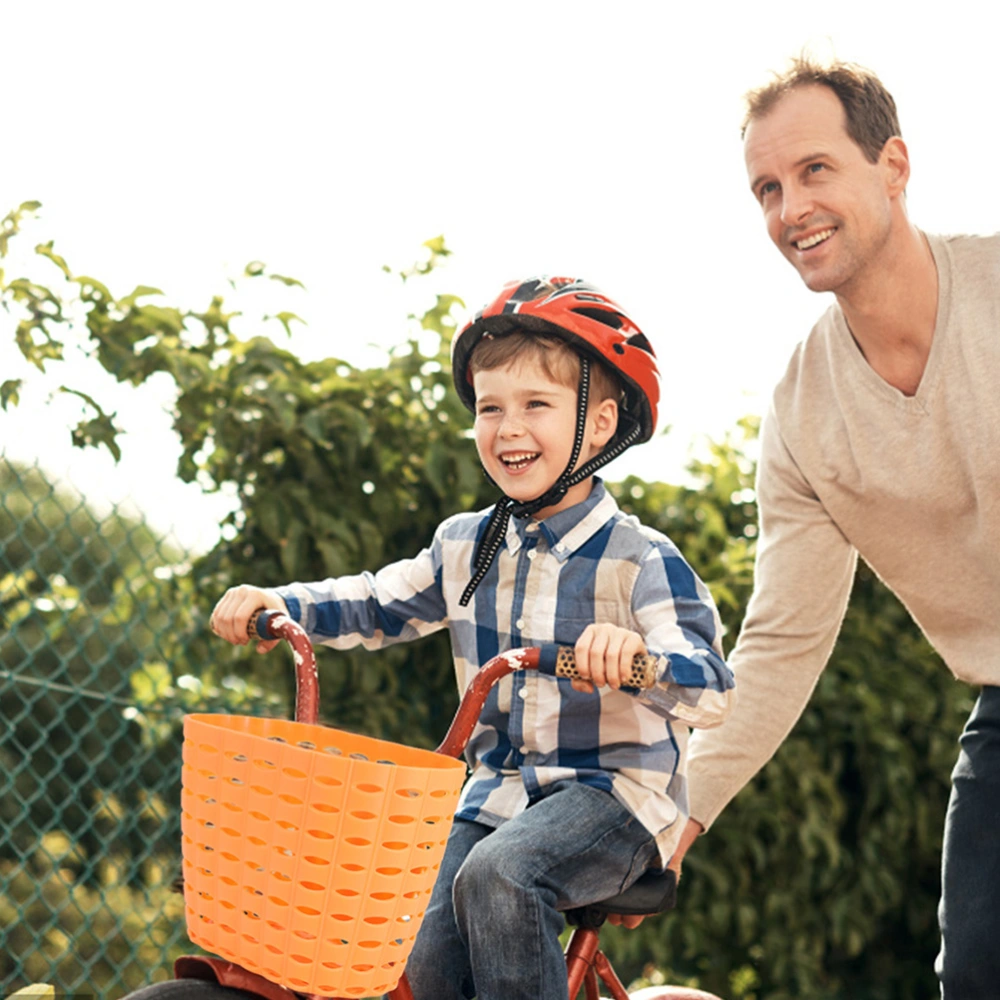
(567, 530)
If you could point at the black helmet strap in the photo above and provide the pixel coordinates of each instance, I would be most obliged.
(496, 528)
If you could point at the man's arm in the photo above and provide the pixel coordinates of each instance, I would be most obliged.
(803, 577)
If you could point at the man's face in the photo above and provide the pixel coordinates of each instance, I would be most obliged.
(827, 208)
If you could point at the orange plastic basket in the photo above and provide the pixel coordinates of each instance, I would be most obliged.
(310, 853)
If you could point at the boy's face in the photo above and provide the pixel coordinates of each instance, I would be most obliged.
(525, 423)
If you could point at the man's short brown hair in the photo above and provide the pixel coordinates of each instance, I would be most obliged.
(868, 107)
(555, 356)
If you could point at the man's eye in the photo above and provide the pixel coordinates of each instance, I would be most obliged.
(815, 168)
(768, 188)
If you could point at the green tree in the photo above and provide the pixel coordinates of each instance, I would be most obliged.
(336, 469)
(93, 607)
(66, 672)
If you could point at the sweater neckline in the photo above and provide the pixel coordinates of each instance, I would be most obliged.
(919, 400)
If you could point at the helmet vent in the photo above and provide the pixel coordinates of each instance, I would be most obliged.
(604, 316)
(639, 340)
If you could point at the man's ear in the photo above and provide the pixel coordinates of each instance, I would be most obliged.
(895, 159)
(605, 417)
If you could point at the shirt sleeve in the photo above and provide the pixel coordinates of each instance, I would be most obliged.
(802, 582)
(400, 602)
(680, 624)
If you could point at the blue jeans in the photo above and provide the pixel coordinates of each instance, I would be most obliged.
(969, 962)
(493, 923)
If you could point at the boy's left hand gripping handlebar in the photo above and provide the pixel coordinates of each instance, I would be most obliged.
(556, 661)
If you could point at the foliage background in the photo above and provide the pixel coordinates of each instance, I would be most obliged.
(821, 879)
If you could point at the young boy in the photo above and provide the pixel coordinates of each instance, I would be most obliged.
(576, 787)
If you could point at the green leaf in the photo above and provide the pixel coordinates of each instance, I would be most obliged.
(157, 319)
(49, 350)
(436, 246)
(9, 392)
(254, 269)
(438, 318)
(92, 290)
(285, 280)
(11, 224)
(140, 291)
(45, 250)
(96, 431)
(285, 318)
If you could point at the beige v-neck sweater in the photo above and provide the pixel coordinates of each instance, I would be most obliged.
(850, 465)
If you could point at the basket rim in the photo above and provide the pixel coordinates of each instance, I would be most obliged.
(240, 724)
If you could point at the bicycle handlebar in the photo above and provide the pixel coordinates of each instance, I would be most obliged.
(549, 659)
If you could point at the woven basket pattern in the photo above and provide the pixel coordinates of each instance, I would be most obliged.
(310, 853)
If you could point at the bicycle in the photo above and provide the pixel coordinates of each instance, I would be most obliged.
(248, 950)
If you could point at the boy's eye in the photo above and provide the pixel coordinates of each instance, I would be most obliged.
(487, 408)
(537, 402)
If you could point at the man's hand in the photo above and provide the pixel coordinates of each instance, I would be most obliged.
(691, 832)
(604, 655)
(630, 921)
(231, 615)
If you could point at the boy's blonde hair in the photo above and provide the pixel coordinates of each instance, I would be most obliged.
(553, 355)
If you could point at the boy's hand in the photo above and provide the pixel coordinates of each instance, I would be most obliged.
(604, 654)
(231, 615)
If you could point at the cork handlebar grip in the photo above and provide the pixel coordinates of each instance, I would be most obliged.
(642, 674)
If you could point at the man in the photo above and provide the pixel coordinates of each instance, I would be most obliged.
(883, 438)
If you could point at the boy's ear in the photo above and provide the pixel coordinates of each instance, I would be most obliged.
(605, 417)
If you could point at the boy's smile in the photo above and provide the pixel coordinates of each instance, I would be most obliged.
(517, 462)
(525, 424)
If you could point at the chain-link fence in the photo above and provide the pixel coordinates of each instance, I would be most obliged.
(100, 656)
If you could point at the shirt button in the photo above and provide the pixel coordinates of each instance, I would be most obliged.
(523, 693)
(560, 547)
(532, 553)
(519, 623)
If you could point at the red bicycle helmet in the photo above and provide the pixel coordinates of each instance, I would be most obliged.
(580, 313)
(599, 330)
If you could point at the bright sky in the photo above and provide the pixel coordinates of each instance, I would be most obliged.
(172, 143)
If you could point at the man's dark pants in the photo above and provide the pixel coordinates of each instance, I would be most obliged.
(969, 963)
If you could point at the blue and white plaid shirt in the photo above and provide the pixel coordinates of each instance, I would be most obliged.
(587, 564)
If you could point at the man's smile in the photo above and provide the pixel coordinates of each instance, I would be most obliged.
(814, 239)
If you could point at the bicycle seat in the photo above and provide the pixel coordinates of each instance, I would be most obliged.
(653, 892)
